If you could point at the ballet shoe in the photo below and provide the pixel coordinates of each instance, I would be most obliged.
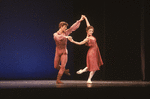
(79, 71)
(58, 79)
(89, 82)
(67, 72)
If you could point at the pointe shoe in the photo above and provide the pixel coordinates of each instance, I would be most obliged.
(89, 82)
(79, 71)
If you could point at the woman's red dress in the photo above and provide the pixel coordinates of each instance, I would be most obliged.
(93, 59)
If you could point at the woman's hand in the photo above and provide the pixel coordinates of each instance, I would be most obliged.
(87, 22)
(70, 39)
(82, 18)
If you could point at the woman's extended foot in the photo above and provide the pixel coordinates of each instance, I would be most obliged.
(79, 71)
(82, 70)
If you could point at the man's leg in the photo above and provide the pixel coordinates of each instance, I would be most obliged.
(64, 59)
(57, 62)
(58, 66)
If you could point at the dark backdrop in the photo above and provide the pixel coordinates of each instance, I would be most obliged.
(27, 47)
(118, 31)
(147, 36)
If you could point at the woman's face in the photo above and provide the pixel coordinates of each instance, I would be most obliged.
(90, 32)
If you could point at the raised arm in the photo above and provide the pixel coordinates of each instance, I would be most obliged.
(74, 26)
(87, 22)
(78, 43)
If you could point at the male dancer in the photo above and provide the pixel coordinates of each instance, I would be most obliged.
(61, 52)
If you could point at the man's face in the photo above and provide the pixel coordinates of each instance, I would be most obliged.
(64, 28)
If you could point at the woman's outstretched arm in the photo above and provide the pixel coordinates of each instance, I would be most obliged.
(78, 43)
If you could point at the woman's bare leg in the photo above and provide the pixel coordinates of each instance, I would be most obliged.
(90, 76)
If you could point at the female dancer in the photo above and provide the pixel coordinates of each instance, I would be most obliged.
(93, 59)
(61, 53)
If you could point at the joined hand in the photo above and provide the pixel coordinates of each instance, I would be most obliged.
(82, 18)
(70, 39)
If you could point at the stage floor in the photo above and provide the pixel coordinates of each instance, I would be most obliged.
(77, 89)
(70, 84)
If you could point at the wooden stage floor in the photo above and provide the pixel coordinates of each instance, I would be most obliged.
(70, 84)
(76, 89)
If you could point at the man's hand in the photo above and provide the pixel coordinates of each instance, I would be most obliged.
(82, 18)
